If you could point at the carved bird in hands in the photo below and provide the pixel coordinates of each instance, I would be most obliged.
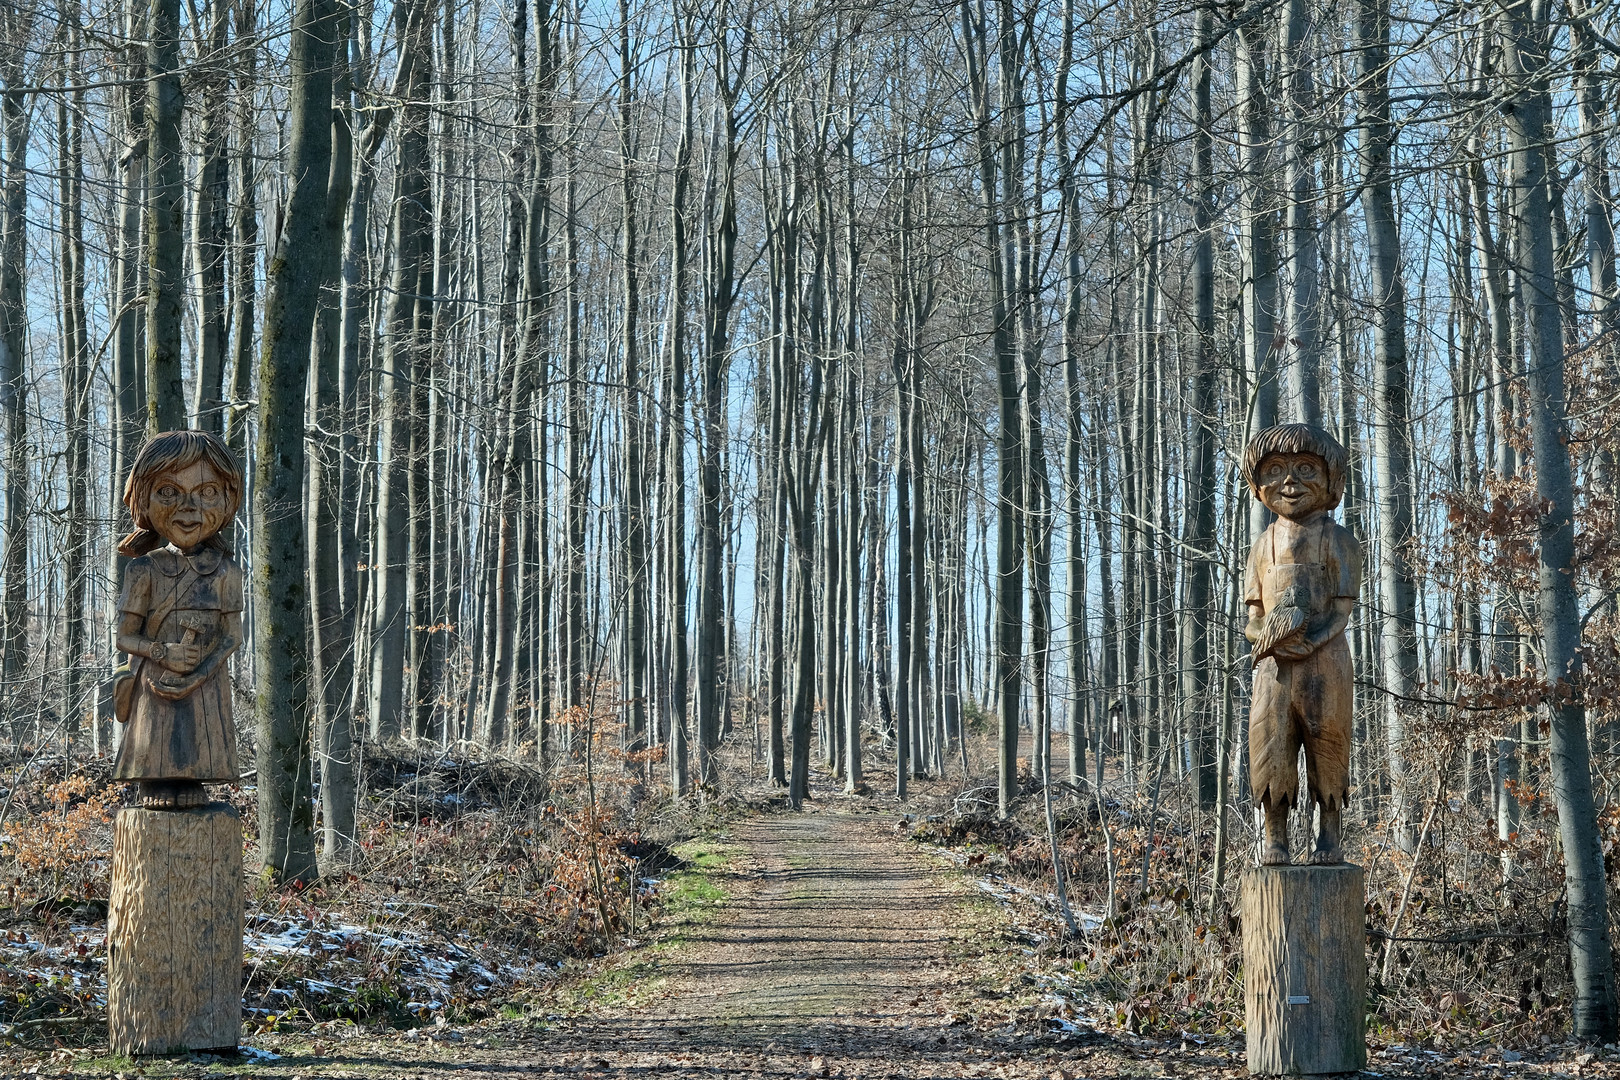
(1285, 622)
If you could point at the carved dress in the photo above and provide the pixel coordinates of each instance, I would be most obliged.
(182, 598)
(1305, 702)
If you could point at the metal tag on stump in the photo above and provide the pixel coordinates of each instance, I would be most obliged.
(1305, 969)
(174, 931)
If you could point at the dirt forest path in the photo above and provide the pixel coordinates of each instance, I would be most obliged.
(840, 925)
(840, 951)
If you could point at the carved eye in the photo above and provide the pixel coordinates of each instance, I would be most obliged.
(208, 492)
(1307, 470)
(1275, 471)
(168, 491)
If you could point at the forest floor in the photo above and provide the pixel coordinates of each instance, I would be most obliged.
(822, 944)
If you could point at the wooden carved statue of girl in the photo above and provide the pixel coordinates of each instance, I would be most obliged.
(181, 620)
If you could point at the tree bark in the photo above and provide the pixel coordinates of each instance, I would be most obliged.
(165, 220)
(76, 386)
(1201, 478)
(333, 616)
(282, 707)
(14, 125)
(210, 225)
(1392, 447)
(1527, 35)
(411, 228)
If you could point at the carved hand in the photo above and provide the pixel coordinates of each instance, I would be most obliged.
(177, 688)
(181, 658)
(1296, 648)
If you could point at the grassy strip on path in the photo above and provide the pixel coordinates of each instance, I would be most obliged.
(688, 897)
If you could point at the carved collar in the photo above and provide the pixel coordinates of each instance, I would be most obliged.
(173, 562)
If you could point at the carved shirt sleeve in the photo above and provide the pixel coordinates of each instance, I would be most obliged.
(1255, 570)
(230, 587)
(137, 595)
(1344, 563)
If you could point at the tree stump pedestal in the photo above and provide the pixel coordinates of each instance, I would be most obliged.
(174, 931)
(1305, 969)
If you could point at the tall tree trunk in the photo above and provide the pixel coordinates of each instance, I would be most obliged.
(905, 585)
(576, 614)
(245, 233)
(1304, 362)
(674, 496)
(1527, 38)
(1596, 113)
(210, 225)
(281, 707)
(1392, 426)
(411, 226)
(333, 621)
(1258, 241)
(129, 399)
(76, 385)
(635, 484)
(14, 126)
(165, 220)
(1201, 478)
(719, 251)
(1009, 599)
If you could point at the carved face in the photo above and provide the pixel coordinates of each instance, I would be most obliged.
(1293, 485)
(188, 505)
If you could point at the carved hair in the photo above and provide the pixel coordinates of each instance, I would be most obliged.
(167, 452)
(1298, 439)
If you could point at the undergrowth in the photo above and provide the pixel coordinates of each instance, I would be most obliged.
(474, 881)
(1477, 957)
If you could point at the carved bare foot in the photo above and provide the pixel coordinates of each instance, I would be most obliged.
(1327, 855)
(1275, 851)
(1327, 851)
(172, 794)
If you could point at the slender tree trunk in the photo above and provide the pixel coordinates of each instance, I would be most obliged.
(1528, 33)
(675, 420)
(129, 399)
(76, 386)
(281, 708)
(1258, 241)
(1304, 361)
(397, 372)
(720, 292)
(165, 220)
(333, 617)
(210, 224)
(1201, 478)
(14, 126)
(635, 539)
(1392, 448)
(1009, 599)
(245, 234)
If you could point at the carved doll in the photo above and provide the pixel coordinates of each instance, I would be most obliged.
(1303, 577)
(181, 620)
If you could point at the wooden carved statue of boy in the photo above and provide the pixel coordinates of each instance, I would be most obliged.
(181, 620)
(1301, 583)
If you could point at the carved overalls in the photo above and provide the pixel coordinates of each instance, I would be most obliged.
(1307, 702)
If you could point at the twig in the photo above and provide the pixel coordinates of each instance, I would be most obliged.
(1411, 871)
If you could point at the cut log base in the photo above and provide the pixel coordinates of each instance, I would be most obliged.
(174, 931)
(1305, 969)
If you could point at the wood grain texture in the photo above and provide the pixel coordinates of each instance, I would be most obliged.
(174, 931)
(1305, 969)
